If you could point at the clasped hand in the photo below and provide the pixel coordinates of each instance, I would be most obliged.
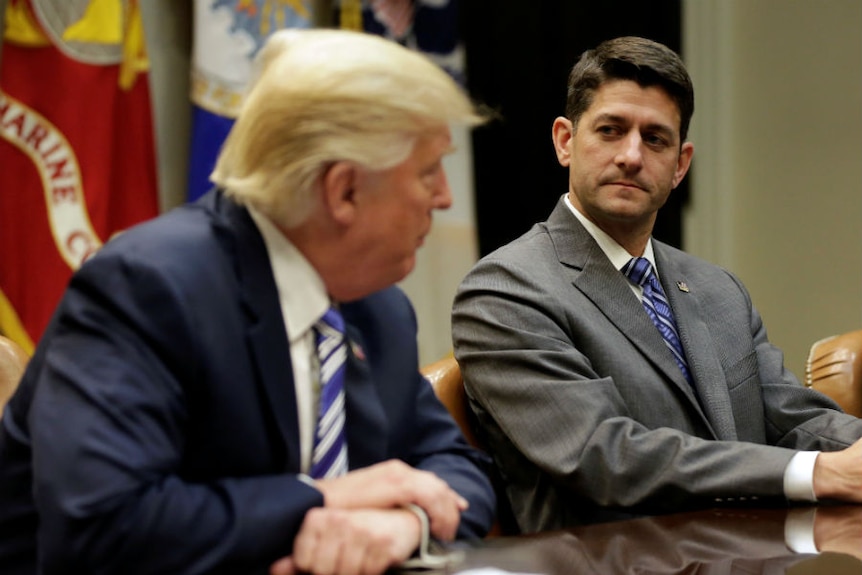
(362, 527)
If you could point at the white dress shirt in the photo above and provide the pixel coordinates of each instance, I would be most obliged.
(303, 300)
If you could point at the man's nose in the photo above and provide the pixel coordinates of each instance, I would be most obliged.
(630, 155)
(442, 193)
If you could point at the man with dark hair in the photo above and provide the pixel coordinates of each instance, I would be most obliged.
(614, 374)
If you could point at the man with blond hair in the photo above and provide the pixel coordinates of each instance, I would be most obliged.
(235, 384)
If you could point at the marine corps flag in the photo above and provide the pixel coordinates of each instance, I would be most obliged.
(77, 158)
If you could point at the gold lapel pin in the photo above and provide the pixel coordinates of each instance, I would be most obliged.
(682, 286)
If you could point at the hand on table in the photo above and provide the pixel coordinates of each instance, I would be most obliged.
(838, 474)
(351, 542)
(393, 484)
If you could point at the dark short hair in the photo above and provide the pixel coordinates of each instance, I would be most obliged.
(643, 61)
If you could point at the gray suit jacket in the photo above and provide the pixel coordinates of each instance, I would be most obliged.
(582, 405)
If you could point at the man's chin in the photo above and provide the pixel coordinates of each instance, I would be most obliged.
(405, 268)
(629, 208)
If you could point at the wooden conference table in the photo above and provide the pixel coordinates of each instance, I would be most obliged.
(720, 541)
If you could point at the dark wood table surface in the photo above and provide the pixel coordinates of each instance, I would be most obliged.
(720, 541)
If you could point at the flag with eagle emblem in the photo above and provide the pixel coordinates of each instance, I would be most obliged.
(227, 36)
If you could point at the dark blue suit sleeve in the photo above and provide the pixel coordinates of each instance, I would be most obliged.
(421, 432)
(113, 432)
(462, 467)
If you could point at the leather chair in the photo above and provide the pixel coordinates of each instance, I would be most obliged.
(13, 360)
(834, 367)
(445, 377)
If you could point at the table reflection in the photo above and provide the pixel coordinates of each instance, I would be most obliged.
(725, 541)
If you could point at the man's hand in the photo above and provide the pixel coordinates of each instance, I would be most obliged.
(838, 474)
(351, 542)
(393, 484)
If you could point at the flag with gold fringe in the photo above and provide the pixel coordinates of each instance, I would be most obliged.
(77, 158)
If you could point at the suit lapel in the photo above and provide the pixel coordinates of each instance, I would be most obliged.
(367, 426)
(592, 273)
(267, 340)
(697, 342)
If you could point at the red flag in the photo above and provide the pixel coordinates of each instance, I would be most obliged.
(77, 158)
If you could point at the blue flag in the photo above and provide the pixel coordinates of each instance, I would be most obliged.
(227, 36)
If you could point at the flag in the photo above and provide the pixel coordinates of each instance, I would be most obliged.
(427, 26)
(77, 157)
(432, 28)
(227, 36)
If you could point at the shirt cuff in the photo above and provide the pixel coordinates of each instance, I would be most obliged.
(799, 477)
(799, 530)
(306, 479)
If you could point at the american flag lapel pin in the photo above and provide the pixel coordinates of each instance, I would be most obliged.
(357, 351)
(682, 286)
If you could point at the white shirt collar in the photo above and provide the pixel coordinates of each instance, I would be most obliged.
(616, 253)
(301, 290)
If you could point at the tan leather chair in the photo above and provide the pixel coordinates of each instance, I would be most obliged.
(13, 360)
(445, 377)
(834, 367)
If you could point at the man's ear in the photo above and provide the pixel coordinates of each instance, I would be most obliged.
(339, 191)
(562, 136)
(683, 163)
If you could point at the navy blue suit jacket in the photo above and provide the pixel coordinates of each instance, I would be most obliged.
(155, 429)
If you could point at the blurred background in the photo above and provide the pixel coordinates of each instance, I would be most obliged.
(775, 190)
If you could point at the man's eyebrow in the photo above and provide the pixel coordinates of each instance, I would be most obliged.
(608, 117)
(617, 119)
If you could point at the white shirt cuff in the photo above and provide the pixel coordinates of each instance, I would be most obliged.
(799, 477)
(306, 479)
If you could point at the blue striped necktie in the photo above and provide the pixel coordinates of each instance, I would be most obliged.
(640, 272)
(329, 458)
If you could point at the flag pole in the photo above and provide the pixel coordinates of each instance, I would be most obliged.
(2, 28)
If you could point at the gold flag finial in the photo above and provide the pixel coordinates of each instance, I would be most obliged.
(351, 15)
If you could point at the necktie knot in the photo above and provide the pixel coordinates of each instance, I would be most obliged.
(330, 323)
(639, 271)
(328, 333)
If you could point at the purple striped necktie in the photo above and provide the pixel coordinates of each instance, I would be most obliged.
(329, 458)
(640, 272)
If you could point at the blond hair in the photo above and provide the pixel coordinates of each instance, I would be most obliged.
(323, 96)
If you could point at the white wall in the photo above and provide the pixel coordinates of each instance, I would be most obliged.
(777, 175)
